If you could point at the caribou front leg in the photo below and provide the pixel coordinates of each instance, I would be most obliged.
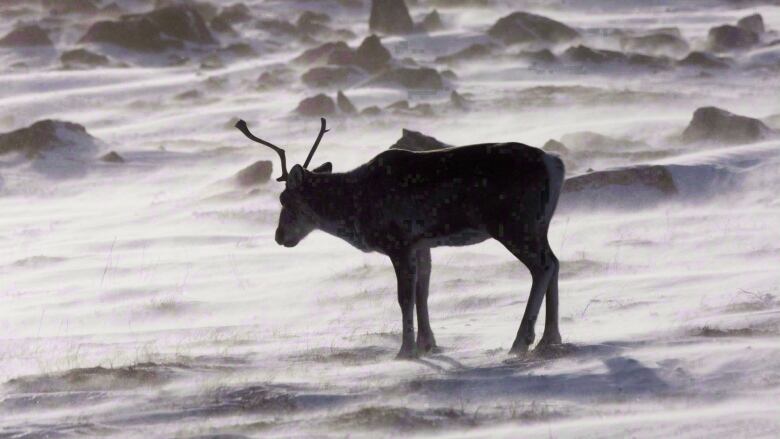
(425, 340)
(405, 265)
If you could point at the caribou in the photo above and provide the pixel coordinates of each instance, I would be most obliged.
(403, 203)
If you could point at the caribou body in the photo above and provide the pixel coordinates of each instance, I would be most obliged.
(403, 203)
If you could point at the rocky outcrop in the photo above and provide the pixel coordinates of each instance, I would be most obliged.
(628, 187)
(44, 136)
(26, 36)
(390, 17)
(523, 27)
(432, 22)
(344, 104)
(704, 60)
(712, 124)
(372, 55)
(416, 141)
(475, 51)
(728, 37)
(317, 106)
(256, 173)
(155, 31)
(337, 52)
(423, 78)
(753, 23)
(82, 58)
(112, 157)
(585, 55)
(663, 43)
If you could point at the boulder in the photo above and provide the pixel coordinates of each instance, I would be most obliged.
(713, 124)
(585, 55)
(753, 23)
(60, 7)
(432, 22)
(313, 23)
(475, 51)
(423, 78)
(371, 111)
(390, 17)
(555, 146)
(234, 14)
(319, 105)
(329, 76)
(728, 37)
(112, 157)
(523, 27)
(26, 36)
(372, 55)
(458, 101)
(655, 44)
(336, 52)
(704, 60)
(44, 136)
(628, 186)
(344, 104)
(80, 58)
(256, 173)
(416, 141)
(588, 140)
(158, 30)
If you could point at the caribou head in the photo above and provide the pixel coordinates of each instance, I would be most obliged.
(296, 219)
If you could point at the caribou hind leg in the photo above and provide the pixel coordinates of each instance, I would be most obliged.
(551, 335)
(543, 265)
(425, 339)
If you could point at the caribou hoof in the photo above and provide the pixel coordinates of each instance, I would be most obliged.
(407, 354)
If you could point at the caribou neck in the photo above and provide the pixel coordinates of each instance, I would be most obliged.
(333, 200)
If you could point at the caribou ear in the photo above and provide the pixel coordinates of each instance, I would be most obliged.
(295, 178)
(325, 168)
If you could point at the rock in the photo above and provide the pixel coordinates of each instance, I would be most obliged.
(206, 9)
(26, 36)
(319, 105)
(112, 157)
(717, 125)
(585, 55)
(256, 173)
(704, 60)
(234, 14)
(244, 50)
(46, 135)
(727, 37)
(753, 23)
(556, 147)
(522, 27)
(371, 111)
(313, 23)
(344, 104)
(628, 183)
(588, 140)
(475, 51)
(372, 55)
(416, 141)
(155, 31)
(390, 17)
(328, 76)
(61, 7)
(78, 58)
(331, 53)
(542, 56)
(432, 22)
(399, 105)
(423, 78)
(188, 95)
(655, 44)
(278, 28)
(458, 101)
(276, 77)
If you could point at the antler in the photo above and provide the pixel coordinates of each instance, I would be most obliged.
(316, 143)
(241, 125)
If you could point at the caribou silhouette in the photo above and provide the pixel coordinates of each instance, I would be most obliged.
(403, 203)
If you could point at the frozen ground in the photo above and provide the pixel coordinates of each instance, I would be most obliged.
(148, 299)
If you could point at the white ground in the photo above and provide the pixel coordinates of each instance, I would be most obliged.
(166, 274)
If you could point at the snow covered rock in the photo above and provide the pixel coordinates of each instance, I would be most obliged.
(155, 31)
(523, 27)
(728, 37)
(47, 135)
(390, 17)
(256, 173)
(718, 125)
(319, 105)
(416, 141)
(32, 35)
